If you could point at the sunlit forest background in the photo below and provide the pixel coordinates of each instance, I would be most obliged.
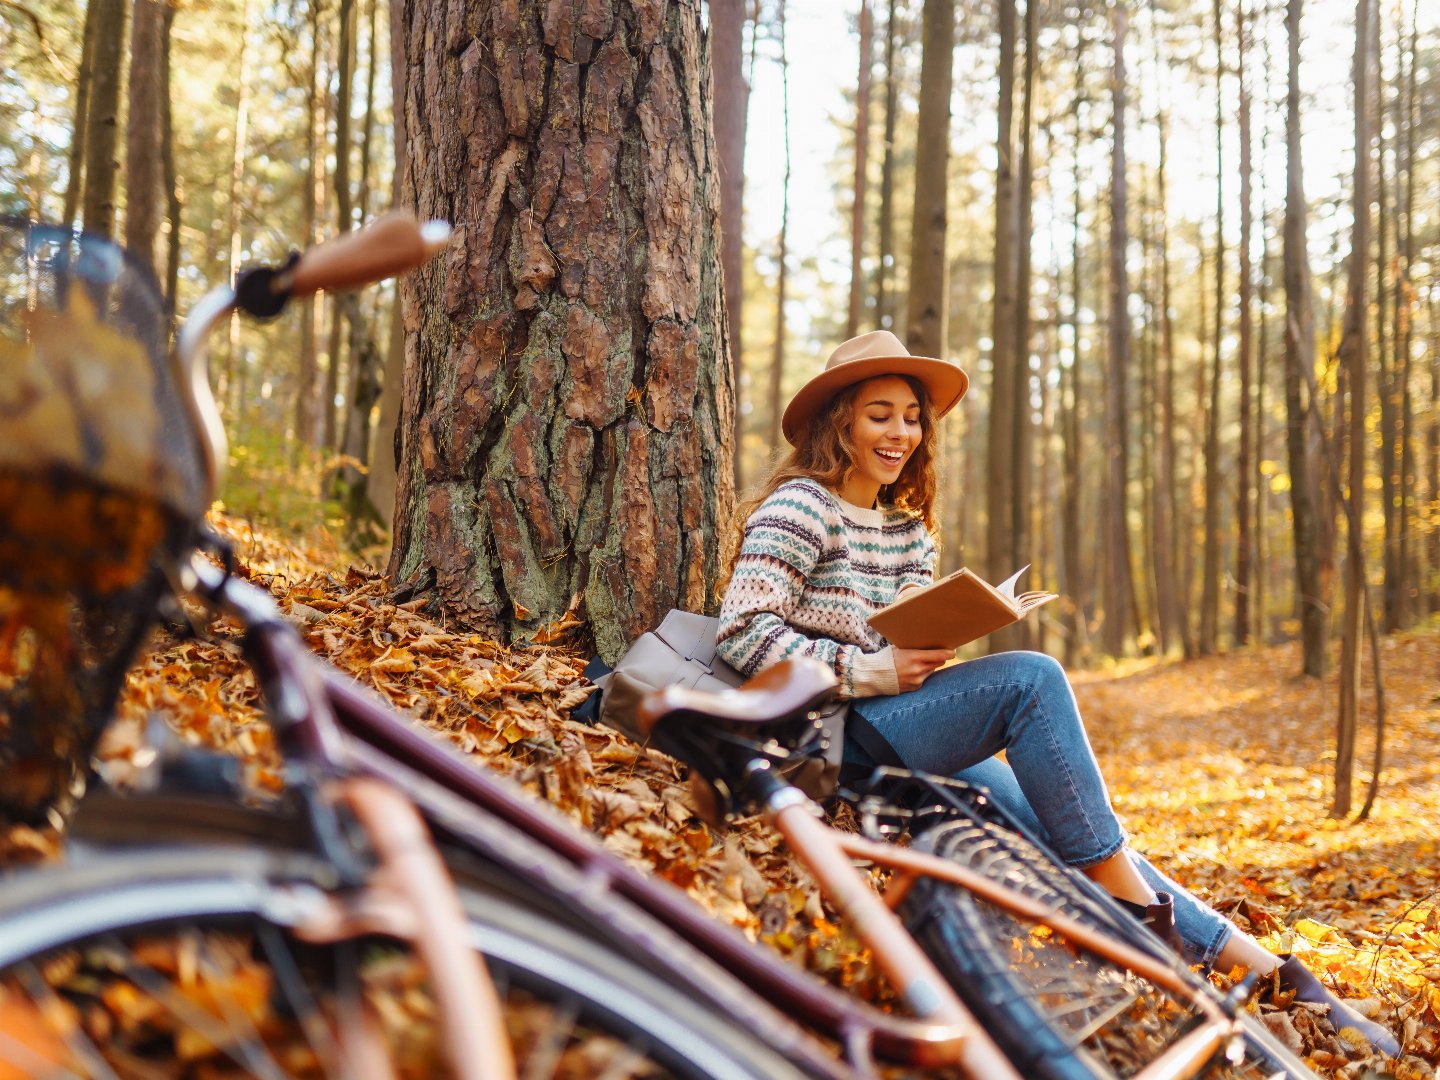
(1149, 390)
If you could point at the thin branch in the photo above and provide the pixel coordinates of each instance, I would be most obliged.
(39, 28)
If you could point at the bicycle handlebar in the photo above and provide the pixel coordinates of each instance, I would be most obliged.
(390, 245)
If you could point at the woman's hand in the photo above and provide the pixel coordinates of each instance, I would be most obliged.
(914, 666)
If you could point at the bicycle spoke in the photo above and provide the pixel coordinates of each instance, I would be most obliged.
(248, 1055)
(300, 1001)
(85, 1052)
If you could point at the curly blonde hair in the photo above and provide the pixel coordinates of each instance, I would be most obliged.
(825, 453)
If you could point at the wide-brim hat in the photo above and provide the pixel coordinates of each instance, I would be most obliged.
(865, 357)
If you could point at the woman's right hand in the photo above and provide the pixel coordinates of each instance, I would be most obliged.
(914, 666)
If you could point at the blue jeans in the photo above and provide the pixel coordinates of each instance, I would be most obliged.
(1021, 702)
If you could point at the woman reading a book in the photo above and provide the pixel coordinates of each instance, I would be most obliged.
(843, 526)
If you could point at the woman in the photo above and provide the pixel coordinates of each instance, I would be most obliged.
(844, 525)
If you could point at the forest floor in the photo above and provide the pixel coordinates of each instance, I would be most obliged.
(1221, 769)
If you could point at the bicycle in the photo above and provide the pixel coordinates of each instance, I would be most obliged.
(170, 873)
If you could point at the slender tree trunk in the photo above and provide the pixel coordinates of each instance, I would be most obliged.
(925, 321)
(171, 178)
(1120, 589)
(1022, 436)
(76, 172)
(732, 106)
(1245, 492)
(862, 170)
(567, 423)
(1171, 605)
(229, 392)
(306, 402)
(143, 135)
(1001, 545)
(1300, 357)
(1405, 312)
(777, 355)
(1386, 360)
(885, 269)
(1210, 585)
(1075, 590)
(385, 443)
(344, 215)
(102, 118)
(1354, 347)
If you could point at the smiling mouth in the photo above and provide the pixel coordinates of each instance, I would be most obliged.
(891, 458)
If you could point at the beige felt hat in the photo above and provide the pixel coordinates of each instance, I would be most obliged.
(877, 353)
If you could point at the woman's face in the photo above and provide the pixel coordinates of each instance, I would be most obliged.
(885, 430)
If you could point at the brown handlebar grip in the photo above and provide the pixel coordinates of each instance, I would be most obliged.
(389, 245)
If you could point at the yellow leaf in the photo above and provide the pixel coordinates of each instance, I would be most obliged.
(1314, 931)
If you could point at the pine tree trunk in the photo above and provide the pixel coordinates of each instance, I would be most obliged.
(1001, 547)
(885, 268)
(143, 161)
(1353, 352)
(925, 319)
(862, 169)
(1171, 605)
(174, 209)
(1120, 588)
(102, 119)
(732, 104)
(76, 172)
(1210, 583)
(1245, 492)
(385, 442)
(782, 255)
(567, 413)
(307, 404)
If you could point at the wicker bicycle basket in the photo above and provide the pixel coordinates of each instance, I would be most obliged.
(101, 486)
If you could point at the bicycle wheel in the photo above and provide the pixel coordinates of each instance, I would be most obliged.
(1059, 1013)
(178, 962)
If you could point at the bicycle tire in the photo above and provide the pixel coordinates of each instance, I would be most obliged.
(64, 915)
(1058, 1013)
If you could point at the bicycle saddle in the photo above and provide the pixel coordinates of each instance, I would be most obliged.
(787, 692)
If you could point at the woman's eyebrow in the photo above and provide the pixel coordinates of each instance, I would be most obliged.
(889, 404)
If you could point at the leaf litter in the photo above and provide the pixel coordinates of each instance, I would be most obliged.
(1219, 767)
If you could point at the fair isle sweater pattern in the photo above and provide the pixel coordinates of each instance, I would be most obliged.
(811, 569)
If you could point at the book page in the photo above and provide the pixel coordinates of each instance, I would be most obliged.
(1007, 587)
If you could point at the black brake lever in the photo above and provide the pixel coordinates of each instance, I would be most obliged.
(261, 291)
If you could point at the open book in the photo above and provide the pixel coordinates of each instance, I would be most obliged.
(955, 610)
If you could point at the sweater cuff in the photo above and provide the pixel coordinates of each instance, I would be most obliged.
(873, 674)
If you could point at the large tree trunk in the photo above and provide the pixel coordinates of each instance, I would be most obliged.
(732, 105)
(1299, 358)
(1074, 588)
(1353, 352)
(567, 409)
(862, 169)
(102, 120)
(1119, 581)
(143, 131)
(925, 320)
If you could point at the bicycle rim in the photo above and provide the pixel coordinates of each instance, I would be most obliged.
(178, 962)
(1059, 1013)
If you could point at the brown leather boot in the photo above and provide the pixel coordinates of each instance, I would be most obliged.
(1292, 975)
(1159, 917)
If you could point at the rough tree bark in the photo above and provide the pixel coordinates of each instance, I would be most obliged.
(885, 268)
(143, 159)
(1210, 580)
(1001, 543)
(925, 320)
(76, 156)
(1244, 480)
(782, 248)
(102, 119)
(566, 413)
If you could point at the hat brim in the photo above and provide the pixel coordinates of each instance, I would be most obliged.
(944, 382)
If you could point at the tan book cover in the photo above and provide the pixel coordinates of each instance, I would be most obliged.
(955, 610)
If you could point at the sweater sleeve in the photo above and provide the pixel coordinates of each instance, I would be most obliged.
(784, 540)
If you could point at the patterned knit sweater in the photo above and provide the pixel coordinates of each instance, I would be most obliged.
(811, 569)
